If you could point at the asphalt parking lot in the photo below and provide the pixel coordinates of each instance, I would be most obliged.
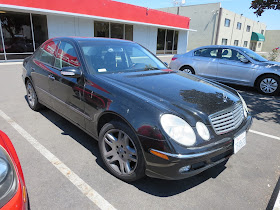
(247, 181)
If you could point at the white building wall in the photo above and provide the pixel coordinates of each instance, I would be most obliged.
(69, 26)
(146, 36)
(182, 42)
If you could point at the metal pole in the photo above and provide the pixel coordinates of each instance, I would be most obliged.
(2, 37)
(32, 32)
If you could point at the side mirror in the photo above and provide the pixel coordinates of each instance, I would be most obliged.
(71, 72)
(244, 60)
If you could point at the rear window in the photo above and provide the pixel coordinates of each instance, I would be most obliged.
(207, 52)
(45, 53)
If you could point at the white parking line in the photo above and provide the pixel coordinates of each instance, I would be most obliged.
(277, 203)
(264, 134)
(94, 196)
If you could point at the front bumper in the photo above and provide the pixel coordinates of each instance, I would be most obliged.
(169, 169)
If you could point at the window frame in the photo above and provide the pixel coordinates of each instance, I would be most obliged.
(248, 27)
(239, 24)
(41, 48)
(212, 48)
(227, 20)
(228, 48)
(226, 41)
(76, 51)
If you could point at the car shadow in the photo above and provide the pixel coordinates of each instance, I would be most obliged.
(262, 107)
(156, 187)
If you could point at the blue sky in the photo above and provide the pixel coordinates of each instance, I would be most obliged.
(270, 17)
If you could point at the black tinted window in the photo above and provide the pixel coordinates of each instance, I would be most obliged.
(46, 52)
(66, 56)
(207, 52)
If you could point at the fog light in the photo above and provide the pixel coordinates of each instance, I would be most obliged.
(184, 169)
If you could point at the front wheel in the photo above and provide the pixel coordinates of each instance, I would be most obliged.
(121, 152)
(268, 85)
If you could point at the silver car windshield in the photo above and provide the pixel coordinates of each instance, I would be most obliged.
(114, 57)
(253, 55)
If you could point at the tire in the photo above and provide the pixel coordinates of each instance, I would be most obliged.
(268, 84)
(121, 151)
(32, 98)
(187, 69)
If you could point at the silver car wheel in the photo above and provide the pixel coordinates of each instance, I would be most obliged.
(119, 151)
(30, 94)
(268, 85)
(189, 71)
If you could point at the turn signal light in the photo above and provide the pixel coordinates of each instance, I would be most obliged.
(159, 154)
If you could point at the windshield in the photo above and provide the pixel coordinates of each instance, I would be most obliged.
(253, 55)
(110, 56)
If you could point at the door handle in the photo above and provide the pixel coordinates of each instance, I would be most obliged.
(51, 77)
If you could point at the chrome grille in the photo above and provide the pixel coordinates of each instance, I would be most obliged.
(228, 119)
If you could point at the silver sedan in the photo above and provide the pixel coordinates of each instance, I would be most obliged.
(231, 64)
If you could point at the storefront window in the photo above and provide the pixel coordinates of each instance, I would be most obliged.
(40, 29)
(113, 30)
(129, 32)
(160, 41)
(19, 33)
(167, 41)
(117, 30)
(101, 29)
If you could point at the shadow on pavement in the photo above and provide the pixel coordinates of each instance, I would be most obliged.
(262, 107)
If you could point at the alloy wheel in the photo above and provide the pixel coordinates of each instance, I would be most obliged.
(189, 71)
(119, 151)
(30, 95)
(268, 85)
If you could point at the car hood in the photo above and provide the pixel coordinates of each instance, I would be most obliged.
(270, 64)
(175, 91)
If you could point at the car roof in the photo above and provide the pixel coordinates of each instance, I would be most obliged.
(220, 46)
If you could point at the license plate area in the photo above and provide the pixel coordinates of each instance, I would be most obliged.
(239, 142)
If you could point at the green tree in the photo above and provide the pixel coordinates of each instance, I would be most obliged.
(261, 5)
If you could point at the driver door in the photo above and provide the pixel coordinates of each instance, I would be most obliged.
(232, 70)
(67, 92)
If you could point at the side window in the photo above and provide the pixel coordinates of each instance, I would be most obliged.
(207, 52)
(232, 55)
(66, 56)
(46, 52)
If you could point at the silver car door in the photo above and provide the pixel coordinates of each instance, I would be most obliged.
(232, 70)
(205, 62)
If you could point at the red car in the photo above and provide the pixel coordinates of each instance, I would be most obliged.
(13, 194)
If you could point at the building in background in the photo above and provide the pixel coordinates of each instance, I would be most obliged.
(272, 40)
(218, 26)
(27, 24)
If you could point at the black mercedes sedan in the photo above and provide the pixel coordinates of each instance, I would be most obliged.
(147, 118)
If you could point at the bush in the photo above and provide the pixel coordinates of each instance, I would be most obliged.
(274, 54)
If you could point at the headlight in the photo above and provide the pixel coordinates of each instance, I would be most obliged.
(8, 178)
(178, 129)
(245, 108)
(203, 131)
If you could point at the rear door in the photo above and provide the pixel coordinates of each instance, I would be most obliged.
(67, 92)
(232, 70)
(206, 62)
(41, 68)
